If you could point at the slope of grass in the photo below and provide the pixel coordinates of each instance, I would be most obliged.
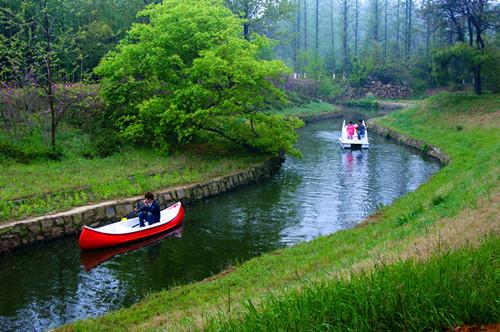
(312, 108)
(459, 204)
(445, 291)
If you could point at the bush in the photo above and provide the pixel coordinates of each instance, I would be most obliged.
(331, 89)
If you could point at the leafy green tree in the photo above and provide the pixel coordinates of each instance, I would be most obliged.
(189, 73)
(455, 63)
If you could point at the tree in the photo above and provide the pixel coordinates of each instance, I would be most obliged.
(478, 15)
(260, 16)
(190, 74)
(345, 33)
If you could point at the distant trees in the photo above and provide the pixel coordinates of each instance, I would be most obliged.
(260, 16)
(393, 38)
(39, 53)
(81, 32)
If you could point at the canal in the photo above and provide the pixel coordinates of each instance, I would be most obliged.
(47, 285)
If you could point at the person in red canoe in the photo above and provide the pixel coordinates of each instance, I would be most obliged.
(149, 211)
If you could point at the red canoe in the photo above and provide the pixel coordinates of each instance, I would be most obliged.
(92, 258)
(127, 231)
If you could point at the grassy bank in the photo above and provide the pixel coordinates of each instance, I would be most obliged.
(312, 108)
(460, 204)
(47, 186)
(436, 294)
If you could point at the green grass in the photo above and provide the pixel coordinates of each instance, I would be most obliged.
(447, 290)
(312, 108)
(458, 204)
(367, 102)
(47, 186)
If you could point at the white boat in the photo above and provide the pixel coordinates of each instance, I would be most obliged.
(354, 142)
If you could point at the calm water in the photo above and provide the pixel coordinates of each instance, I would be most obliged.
(329, 189)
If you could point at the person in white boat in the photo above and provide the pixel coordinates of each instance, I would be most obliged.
(350, 130)
(361, 129)
(149, 211)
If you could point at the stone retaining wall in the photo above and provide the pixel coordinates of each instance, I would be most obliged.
(427, 149)
(21, 233)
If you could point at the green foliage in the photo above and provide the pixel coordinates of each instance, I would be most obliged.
(331, 89)
(367, 102)
(189, 72)
(313, 65)
(455, 63)
(360, 71)
(447, 290)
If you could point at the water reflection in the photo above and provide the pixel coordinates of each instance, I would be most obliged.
(327, 190)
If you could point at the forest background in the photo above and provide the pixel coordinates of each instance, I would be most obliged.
(49, 50)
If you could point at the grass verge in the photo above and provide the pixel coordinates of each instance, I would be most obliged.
(48, 186)
(460, 204)
(437, 294)
(312, 108)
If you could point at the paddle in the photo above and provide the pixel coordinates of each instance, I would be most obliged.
(128, 216)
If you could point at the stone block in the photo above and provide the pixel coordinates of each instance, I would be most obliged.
(34, 227)
(100, 213)
(47, 224)
(110, 212)
(173, 193)
(167, 197)
(89, 216)
(123, 209)
(78, 219)
(180, 193)
(214, 188)
(187, 192)
(59, 221)
(70, 228)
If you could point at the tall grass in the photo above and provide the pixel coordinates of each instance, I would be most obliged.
(447, 290)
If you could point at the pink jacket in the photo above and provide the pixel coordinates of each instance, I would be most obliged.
(350, 129)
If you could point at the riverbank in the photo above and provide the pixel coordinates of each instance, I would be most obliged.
(41, 187)
(20, 233)
(58, 198)
(460, 204)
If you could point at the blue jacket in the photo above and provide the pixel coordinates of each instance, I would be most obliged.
(154, 209)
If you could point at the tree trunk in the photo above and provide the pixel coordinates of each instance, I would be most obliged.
(471, 32)
(409, 26)
(297, 41)
(477, 80)
(356, 22)
(385, 30)
(333, 38)
(48, 66)
(246, 31)
(345, 29)
(316, 46)
(398, 11)
(305, 25)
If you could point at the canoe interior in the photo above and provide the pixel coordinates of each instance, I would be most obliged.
(127, 226)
